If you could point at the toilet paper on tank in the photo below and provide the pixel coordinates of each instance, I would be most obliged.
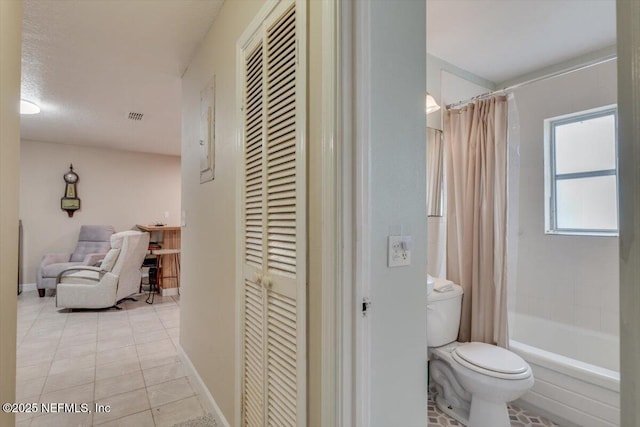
(430, 283)
(442, 285)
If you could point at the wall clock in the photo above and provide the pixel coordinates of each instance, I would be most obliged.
(70, 202)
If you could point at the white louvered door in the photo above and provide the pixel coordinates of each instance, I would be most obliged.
(274, 232)
(254, 241)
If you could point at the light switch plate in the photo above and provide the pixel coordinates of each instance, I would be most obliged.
(399, 251)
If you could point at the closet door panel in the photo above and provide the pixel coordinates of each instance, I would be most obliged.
(282, 149)
(253, 356)
(285, 220)
(253, 191)
(253, 307)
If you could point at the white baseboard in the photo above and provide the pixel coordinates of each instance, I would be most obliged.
(201, 388)
(170, 292)
(28, 287)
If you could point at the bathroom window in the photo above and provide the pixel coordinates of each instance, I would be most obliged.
(581, 173)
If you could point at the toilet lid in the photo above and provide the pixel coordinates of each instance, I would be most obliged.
(492, 358)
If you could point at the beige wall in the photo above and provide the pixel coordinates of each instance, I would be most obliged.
(119, 188)
(10, 42)
(208, 315)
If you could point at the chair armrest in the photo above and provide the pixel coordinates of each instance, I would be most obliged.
(55, 258)
(93, 259)
(79, 268)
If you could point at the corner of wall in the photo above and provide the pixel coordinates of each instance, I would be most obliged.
(10, 54)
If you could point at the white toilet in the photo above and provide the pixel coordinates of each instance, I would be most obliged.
(473, 381)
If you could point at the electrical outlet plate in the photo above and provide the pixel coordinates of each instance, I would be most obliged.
(399, 251)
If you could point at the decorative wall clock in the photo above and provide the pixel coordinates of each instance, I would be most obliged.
(70, 202)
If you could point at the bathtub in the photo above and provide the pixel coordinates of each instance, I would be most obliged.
(571, 392)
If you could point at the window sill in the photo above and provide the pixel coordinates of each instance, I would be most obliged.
(582, 233)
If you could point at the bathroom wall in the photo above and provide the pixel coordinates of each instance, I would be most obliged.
(567, 279)
(436, 68)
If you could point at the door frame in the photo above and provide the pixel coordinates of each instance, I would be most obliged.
(353, 368)
(345, 213)
(628, 31)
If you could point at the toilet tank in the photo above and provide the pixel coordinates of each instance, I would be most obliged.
(443, 316)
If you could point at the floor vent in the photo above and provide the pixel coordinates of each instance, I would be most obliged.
(135, 116)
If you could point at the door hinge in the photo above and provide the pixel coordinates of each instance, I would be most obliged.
(366, 305)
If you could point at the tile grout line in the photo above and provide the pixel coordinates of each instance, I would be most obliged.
(95, 369)
(18, 345)
(66, 319)
(146, 392)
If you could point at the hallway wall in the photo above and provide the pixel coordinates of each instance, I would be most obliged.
(10, 44)
(208, 301)
(397, 204)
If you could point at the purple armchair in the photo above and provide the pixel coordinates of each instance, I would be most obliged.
(93, 244)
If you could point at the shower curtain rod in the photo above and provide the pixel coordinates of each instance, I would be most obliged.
(537, 79)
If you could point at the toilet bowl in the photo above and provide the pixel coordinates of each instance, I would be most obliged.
(473, 381)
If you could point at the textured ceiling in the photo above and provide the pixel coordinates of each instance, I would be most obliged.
(503, 39)
(89, 63)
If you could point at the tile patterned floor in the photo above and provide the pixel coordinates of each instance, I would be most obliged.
(126, 359)
(519, 417)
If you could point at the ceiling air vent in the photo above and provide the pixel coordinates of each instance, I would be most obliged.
(135, 116)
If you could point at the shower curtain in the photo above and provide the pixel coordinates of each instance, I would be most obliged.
(476, 164)
(434, 172)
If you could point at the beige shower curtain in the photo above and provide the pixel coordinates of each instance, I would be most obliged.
(476, 164)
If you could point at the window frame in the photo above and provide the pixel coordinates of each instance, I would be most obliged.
(551, 177)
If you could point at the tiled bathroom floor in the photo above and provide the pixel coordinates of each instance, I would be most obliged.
(519, 417)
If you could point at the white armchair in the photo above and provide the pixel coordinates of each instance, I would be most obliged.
(117, 278)
(93, 244)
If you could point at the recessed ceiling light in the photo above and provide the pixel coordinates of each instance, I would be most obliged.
(27, 107)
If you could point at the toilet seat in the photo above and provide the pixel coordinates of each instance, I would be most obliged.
(491, 360)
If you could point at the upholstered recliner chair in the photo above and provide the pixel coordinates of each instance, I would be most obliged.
(93, 244)
(117, 277)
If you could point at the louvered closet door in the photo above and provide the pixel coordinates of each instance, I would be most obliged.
(274, 216)
(285, 257)
(254, 213)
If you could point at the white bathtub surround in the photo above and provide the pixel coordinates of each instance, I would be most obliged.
(567, 279)
(570, 392)
(577, 343)
(566, 297)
